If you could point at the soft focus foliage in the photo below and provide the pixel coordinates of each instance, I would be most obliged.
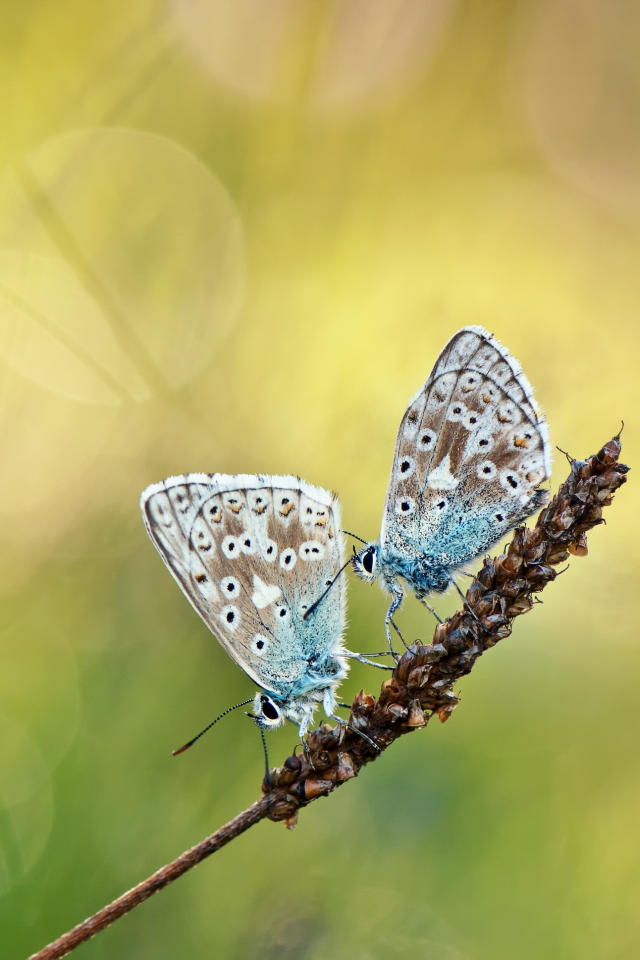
(233, 236)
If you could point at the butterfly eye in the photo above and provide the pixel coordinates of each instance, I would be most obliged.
(369, 560)
(269, 710)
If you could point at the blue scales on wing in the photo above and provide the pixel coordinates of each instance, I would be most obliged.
(252, 554)
(471, 453)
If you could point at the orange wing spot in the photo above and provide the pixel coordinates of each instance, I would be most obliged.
(521, 442)
(235, 507)
(260, 509)
(330, 533)
(322, 522)
(201, 577)
(215, 514)
(503, 418)
(486, 398)
(286, 509)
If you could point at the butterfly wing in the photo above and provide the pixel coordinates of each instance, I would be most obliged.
(470, 454)
(252, 554)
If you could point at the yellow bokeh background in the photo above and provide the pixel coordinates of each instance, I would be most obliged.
(234, 235)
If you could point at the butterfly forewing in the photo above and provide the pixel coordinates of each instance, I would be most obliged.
(252, 554)
(470, 454)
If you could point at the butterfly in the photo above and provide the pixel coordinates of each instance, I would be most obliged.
(471, 453)
(253, 555)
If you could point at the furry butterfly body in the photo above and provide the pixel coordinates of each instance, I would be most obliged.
(471, 453)
(252, 554)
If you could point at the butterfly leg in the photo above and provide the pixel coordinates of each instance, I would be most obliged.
(307, 754)
(467, 607)
(430, 608)
(345, 723)
(397, 630)
(360, 657)
(398, 597)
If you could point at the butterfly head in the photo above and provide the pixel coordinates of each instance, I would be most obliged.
(367, 561)
(268, 711)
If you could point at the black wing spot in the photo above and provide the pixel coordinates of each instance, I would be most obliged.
(201, 577)
(484, 443)
(499, 517)
(426, 439)
(259, 644)
(404, 466)
(230, 616)
(404, 506)
(512, 481)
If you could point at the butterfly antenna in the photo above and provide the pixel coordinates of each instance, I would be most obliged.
(354, 535)
(323, 595)
(202, 732)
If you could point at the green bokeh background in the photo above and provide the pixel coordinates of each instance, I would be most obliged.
(233, 237)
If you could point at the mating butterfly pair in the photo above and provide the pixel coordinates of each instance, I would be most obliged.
(259, 556)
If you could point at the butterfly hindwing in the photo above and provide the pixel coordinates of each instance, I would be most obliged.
(470, 455)
(252, 554)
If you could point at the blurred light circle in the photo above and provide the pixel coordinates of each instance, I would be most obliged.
(353, 51)
(26, 806)
(22, 767)
(582, 95)
(47, 443)
(55, 333)
(129, 270)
